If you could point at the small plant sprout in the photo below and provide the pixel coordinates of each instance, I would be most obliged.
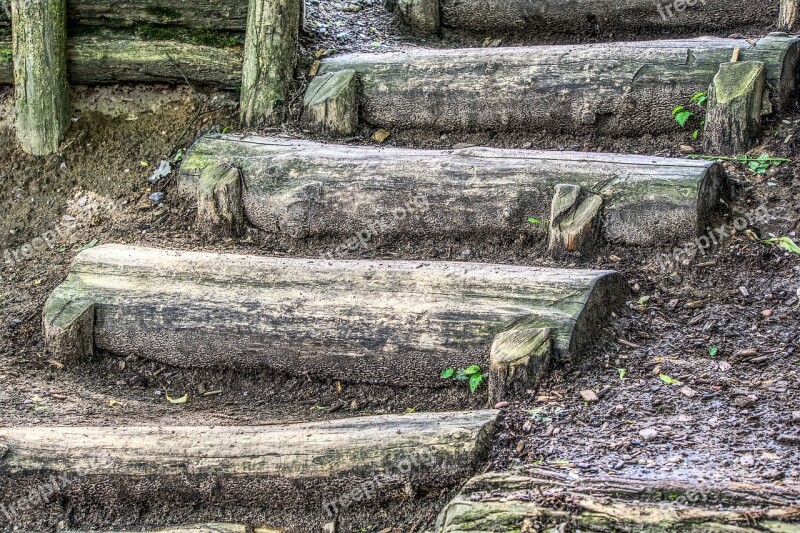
(683, 114)
(713, 351)
(622, 373)
(784, 243)
(533, 220)
(757, 165)
(473, 374)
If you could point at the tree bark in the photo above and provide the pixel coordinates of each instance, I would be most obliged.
(111, 59)
(613, 89)
(632, 18)
(733, 117)
(789, 18)
(270, 53)
(228, 15)
(304, 190)
(128, 475)
(41, 92)
(503, 502)
(359, 321)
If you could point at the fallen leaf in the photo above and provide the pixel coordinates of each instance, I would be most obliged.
(55, 363)
(181, 400)
(381, 135)
(668, 380)
(314, 69)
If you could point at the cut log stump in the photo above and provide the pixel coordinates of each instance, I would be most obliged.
(358, 321)
(219, 201)
(614, 89)
(270, 54)
(68, 327)
(575, 220)
(519, 359)
(331, 103)
(422, 16)
(539, 499)
(735, 103)
(307, 468)
(358, 196)
(41, 92)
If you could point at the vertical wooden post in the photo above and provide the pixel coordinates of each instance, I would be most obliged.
(39, 35)
(270, 51)
(789, 18)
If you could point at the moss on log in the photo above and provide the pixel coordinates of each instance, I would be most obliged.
(359, 321)
(305, 190)
(113, 57)
(541, 498)
(735, 103)
(613, 89)
(230, 15)
(41, 91)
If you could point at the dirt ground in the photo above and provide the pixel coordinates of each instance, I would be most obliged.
(698, 380)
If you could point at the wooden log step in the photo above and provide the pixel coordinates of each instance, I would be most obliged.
(209, 527)
(358, 321)
(307, 467)
(111, 58)
(230, 15)
(300, 189)
(545, 498)
(585, 17)
(615, 89)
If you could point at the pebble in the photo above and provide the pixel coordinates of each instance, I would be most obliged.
(766, 313)
(648, 433)
(501, 405)
(156, 197)
(796, 416)
(527, 426)
(747, 460)
(688, 392)
(744, 401)
(589, 396)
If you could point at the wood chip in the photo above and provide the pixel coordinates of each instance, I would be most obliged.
(627, 343)
(747, 352)
(697, 304)
(688, 392)
(381, 135)
(314, 69)
(789, 439)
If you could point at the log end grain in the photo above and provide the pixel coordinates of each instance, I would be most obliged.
(735, 100)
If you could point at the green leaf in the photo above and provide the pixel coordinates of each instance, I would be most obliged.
(683, 117)
(713, 351)
(461, 376)
(90, 244)
(678, 109)
(668, 380)
(447, 373)
(644, 299)
(535, 221)
(472, 370)
(789, 245)
(699, 98)
(695, 134)
(474, 382)
(622, 373)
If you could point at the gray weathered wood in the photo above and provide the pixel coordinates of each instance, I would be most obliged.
(114, 58)
(505, 502)
(228, 15)
(68, 328)
(575, 220)
(210, 527)
(733, 116)
(422, 16)
(120, 475)
(519, 359)
(41, 92)
(615, 89)
(360, 321)
(789, 17)
(571, 18)
(331, 103)
(270, 53)
(219, 201)
(307, 190)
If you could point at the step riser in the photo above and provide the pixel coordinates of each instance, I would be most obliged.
(615, 89)
(368, 195)
(389, 322)
(133, 475)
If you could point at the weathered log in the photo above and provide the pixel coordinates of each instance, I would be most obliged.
(230, 15)
(41, 91)
(575, 220)
(270, 54)
(331, 103)
(789, 17)
(361, 321)
(555, 18)
(308, 467)
(301, 189)
(733, 116)
(519, 359)
(506, 502)
(619, 88)
(210, 527)
(219, 200)
(111, 58)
